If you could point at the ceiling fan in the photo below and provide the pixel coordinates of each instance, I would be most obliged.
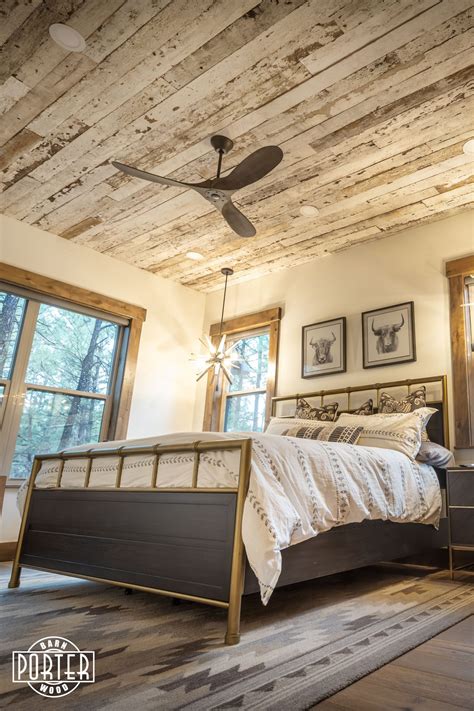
(218, 191)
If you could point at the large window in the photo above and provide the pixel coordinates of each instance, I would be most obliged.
(245, 399)
(244, 405)
(62, 367)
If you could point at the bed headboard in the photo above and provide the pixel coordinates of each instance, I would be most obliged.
(436, 396)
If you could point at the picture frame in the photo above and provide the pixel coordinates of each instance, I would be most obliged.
(388, 335)
(323, 348)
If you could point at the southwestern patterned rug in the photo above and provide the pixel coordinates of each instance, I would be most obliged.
(311, 641)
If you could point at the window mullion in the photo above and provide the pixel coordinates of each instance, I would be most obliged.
(239, 393)
(16, 395)
(65, 391)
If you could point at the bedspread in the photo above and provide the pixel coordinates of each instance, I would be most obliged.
(298, 488)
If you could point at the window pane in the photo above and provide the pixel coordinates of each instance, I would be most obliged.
(253, 355)
(2, 392)
(51, 422)
(245, 413)
(71, 350)
(11, 315)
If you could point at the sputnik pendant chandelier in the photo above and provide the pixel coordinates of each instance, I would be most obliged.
(217, 357)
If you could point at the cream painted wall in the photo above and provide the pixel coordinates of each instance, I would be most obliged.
(164, 392)
(408, 266)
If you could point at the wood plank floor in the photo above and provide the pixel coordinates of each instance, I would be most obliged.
(438, 675)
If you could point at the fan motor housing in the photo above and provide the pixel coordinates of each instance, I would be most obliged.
(221, 144)
(216, 197)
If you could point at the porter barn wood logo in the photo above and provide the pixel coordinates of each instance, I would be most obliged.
(53, 667)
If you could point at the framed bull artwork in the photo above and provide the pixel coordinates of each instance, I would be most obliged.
(388, 335)
(324, 348)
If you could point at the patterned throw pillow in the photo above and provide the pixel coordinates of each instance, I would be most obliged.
(400, 431)
(435, 455)
(325, 413)
(367, 408)
(326, 433)
(411, 402)
(279, 425)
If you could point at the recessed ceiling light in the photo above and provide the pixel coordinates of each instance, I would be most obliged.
(308, 210)
(197, 256)
(468, 147)
(67, 37)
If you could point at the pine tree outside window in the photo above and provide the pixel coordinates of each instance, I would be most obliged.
(245, 398)
(245, 404)
(61, 372)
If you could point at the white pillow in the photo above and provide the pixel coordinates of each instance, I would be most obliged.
(278, 425)
(399, 430)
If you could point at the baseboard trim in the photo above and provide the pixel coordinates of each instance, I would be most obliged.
(7, 550)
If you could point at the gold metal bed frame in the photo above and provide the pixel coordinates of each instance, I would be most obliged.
(41, 545)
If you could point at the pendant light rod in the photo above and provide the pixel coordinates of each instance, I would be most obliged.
(227, 271)
(218, 358)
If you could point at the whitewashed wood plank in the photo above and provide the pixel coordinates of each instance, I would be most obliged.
(458, 197)
(288, 100)
(31, 33)
(26, 149)
(60, 220)
(17, 192)
(406, 180)
(286, 125)
(251, 24)
(56, 83)
(140, 49)
(48, 55)
(333, 195)
(17, 146)
(210, 19)
(10, 92)
(298, 231)
(413, 216)
(196, 90)
(127, 20)
(382, 21)
(69, 193)
(12, 14)
(102, 132)
(336, 174)
(286, 31)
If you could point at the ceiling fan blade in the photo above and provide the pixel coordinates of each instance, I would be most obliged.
(136, 173)
(253, 168)
(237, 221)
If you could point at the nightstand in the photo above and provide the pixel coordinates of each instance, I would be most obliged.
(460, 492)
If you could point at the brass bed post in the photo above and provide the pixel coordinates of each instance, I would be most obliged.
(16, 569)
(238, 552)
(444, 397)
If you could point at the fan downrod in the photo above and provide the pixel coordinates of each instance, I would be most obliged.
(221, 144)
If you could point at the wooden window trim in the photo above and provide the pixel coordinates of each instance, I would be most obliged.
(78, 296)
(456, 271)
(249, 322)
(75, 294)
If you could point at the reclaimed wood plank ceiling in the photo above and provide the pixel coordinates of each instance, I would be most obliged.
(370, 100)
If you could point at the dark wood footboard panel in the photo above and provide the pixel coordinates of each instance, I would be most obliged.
(353, 546)
(177, 542)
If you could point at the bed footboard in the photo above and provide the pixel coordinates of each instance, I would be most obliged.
(183, 543)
